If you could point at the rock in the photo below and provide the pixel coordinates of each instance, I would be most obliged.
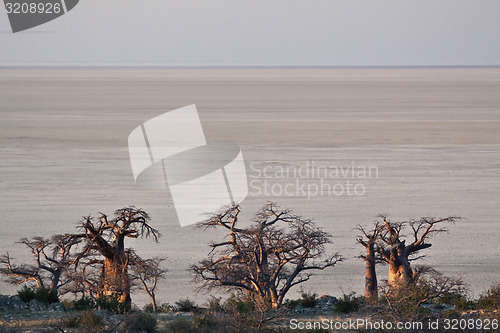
(15, 299)
(326, 302)
(34, 305)
(101, 313)
(59, 306)
(43, 306)
(328, 298)
(299, 309)
(4, 301)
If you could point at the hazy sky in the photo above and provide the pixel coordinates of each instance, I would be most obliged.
(262, 33)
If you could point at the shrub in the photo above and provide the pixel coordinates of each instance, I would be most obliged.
(185, 305)
(182, 325)
(308, 300)
(205, 321)
(46, 295)
(91, 321)
(111, 304)
(71, 322)
(84, 303)
(459, 301)
(214, 304)
(141, 322)
(348, 303)
(148, 308)
(164, 308)
(26, 294)
(421, 298)
(240, 303)
(491, 299)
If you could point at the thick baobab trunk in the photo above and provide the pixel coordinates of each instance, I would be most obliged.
(115, 280)
(371, 287)
(400, 271)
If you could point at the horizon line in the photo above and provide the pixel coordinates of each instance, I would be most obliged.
(194, 67)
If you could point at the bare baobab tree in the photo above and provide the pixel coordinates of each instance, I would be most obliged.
(394, 249)
(369, 240)
(267, 258)
(51, 258)
(106, 237)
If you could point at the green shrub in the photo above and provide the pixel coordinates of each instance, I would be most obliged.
(71, 322)
(84, 303)
(239, 303)
(348, 303)
(91, 321)
(46, 295)
(185, 305)
(148, 308)
(491, 299)
(459, 301)
(26, 294)
(164, 308)
(205, 321)
(214, 304)
(111, 304)
(421, 299)
(182, 325)
(308, 300)
(141, 322)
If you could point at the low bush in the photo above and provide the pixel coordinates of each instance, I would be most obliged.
(185, 305)
(423, 298)
(164, 308)
(111, 304)
(491, 299)
(308, 300)
(238, 302)
(182, 325)
(90, 321)
(148, 308)
(140, 322)
(84, 303)
(214, 304)
(26, 294)
(71, 322)
(348, 303)
(44, 295)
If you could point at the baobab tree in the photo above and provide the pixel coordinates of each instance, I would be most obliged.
(393, 248)
(369, 241)
(278, 251)
(107, 237)
(50, 260)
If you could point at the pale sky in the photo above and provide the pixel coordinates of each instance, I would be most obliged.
(261, 33)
